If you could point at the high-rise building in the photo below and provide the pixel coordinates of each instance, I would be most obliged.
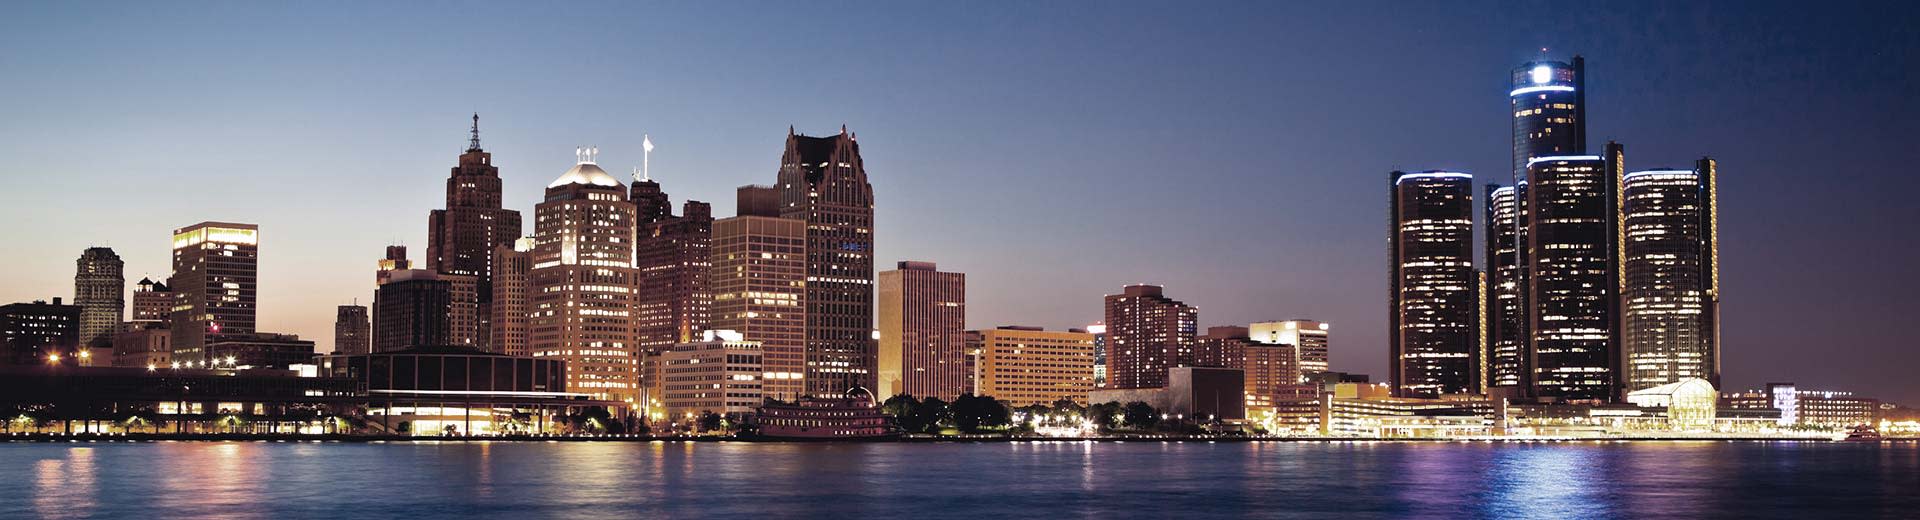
(1433, 338)
(1273, 375)
(1507, 357)
(1147, 334)
(1310, 340)
(1099, 332)
(463, 309)
(583, 281)
(152, 302)
(674, 303)
(1572, 294)
(99, 288)
(40, 332)
(396, 260)
(1670, 270)
(1222, 347)
(412, 310)
(758, 280)
(1549, 102)
(216, 274)
(1029, 365)
(352, 330)
(823, 182)
(512, 299)
(923, 314)
(462, 238)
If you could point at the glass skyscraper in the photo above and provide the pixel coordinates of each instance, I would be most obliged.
(1434, 340)
(1671, 289)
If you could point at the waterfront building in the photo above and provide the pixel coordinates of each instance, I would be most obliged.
(412, 309)
(152, 303)
(1099, 332)
(1197, 394)
(99, 288)
(144, 346)
(1148, 334)
(1690, 403)
(721, 373)
(1573, 284)
(1506, 317)
(352, 330)
(583, 281)
(1813, 408)
(1669, 270)
(1548, 105)
(512, 299)
(1273, 376)
(758, 281)
(259, 350)
(1311, 340)
(824, 183)
(40, 332)
(216, 275)
(462, 238)
(1032, 366)
(396, 260)
(923, 314)
(1433, 339)
(1222, 347)
(459, 390)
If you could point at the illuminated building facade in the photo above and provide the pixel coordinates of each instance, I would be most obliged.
(1273, 376)
(1029, 365)
(461, 239)
(39, 332)
(352, 330)
(758, 280)
(1507, 359)
(1549, 102)
(216, 275)
(152, 302)
(1311, 340)
(824, 183)
(1670, 269)
(396, 260)
(721, 373)
(1817, 408)
(1099, 331)
(99, 288)
(583, 282)
(923, 314)
(259, 350)
(1433, 316)
(1548, 105)
(411, 310)
(1573, 293)
(1148, 334)
(674, 302)
(512, 299)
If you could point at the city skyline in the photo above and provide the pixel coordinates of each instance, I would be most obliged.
(1207, 261)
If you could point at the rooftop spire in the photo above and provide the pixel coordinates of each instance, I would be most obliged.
(473, 142)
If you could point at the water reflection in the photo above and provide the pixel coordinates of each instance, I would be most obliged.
(64, 487)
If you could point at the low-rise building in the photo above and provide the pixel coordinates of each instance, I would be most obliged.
(1192, 393)
(723, 374)
(1028, 365)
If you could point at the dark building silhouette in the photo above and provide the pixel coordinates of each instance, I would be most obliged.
(1573, 292)
(352, 330)
(675, 302)
(216, 275)
(40, 332)
(461, 239)
(1670, 273)
(410, 310)
(99, 288)
(1147, 334)
(823, 182)
(1433, 316)
(396, 260)
(260, 350)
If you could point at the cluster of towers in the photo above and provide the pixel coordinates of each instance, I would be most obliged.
(1596, 281)
(610, 278)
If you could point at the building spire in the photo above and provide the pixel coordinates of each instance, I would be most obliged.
(473, 141)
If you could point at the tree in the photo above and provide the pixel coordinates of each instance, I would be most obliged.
(709, 421)
(905, 411)
(1105, 415)
(1141, 416)
(971, 413)
(931, 413)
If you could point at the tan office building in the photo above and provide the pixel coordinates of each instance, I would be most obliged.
(1027, 365)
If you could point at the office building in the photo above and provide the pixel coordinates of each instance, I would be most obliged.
(396, 260)
(412, 309)
(352, 330)
(758, 280)
(1506, 317)
(1572, 283)
(923, 314)
(512, 299)
(1272, 375)
(1433, 316)
(1548, 102)
(216, 274)
(1670, 275)
(674, 303)
(461, 239)
(1099, 332)
(99, 288)
(824, 183)
(583, 281)
(1147, 334)
(1815, 408)
(40, 332)
(1224, 347)
(152, 303)
(259, 350)
(1311, 341)
(144, 346)
(463, 309)
(720, 373)
(1025, 366)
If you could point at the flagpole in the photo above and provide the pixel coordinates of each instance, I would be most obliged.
(646, 157)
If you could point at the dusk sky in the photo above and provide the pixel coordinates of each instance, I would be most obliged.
(1053, 151)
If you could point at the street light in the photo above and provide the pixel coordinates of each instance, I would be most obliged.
(53, 358)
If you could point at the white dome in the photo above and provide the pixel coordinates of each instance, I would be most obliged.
(585, 173)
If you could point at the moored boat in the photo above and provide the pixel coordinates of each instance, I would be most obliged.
(853, 416)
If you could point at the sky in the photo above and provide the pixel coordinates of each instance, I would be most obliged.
(1236, 153)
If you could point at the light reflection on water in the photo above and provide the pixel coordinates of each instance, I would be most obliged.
(1084, 480)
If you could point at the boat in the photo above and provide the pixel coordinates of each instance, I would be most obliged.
(852, 416)
(1863, 434)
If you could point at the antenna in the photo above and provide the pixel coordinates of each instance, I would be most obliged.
(473, 142)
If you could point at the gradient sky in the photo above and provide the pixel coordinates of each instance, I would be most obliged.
(1053, 151)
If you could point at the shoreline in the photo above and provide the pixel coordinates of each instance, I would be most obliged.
(381, 439)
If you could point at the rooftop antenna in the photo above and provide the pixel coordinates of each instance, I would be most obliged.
(473, 142)
(646, 157)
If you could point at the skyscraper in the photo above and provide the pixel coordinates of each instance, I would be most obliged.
(674, 304)
(758, 280)
(461, 238)
(923, 314)
(1573, 292)
(583, 281)
(152, 302)
(512, 299)
(396, 260)
(1549, 101)
(1670, 271)
(1433, 340)
(412, 310)
(1508, 361)
(1223, 347)
(1099, 332)
(823, 182)
(352, 332)
(1147, 334)
(99, 288)
(1311, 341)
(215, 282)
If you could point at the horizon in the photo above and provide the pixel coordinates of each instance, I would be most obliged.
(1257, 195)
